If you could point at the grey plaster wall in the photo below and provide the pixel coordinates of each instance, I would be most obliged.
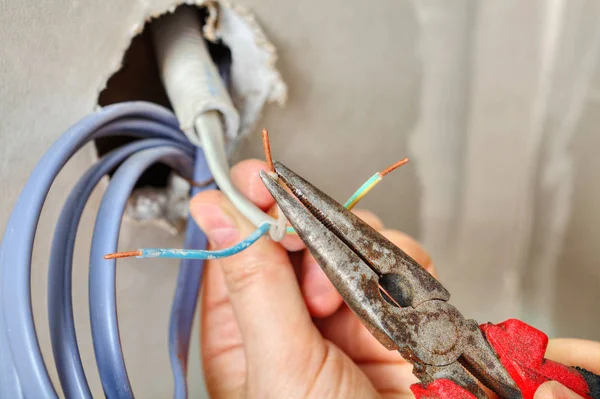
(361, 77)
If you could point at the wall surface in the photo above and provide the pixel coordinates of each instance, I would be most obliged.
(495, 102)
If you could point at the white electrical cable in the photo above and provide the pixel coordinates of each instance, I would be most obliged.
(188, 73)
(202, 103)
(211, 135)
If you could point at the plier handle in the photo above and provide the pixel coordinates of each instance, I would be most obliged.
(407, 309)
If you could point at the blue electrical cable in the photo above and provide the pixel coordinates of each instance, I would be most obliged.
(22, 370)
(102, 295)
(18, 330)
(188, 286)
(60, 307)
(202, 254)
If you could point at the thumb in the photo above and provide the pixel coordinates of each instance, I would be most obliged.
(265, 296)
(555, 390)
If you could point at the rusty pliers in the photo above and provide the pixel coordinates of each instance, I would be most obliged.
(407, 309)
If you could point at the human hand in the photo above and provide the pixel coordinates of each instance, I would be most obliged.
(273, 326)
(570, 352)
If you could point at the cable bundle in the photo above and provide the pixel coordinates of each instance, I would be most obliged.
(22, 369)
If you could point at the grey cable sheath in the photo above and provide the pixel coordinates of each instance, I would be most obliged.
(17, 326)
(102, 295)
(201, 102)
(211, 134)
(60, 306)
(190, 77)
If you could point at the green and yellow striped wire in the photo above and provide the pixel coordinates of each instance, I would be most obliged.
(364, 189)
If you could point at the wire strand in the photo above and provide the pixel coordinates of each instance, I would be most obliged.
(393, 167)
(267, 147)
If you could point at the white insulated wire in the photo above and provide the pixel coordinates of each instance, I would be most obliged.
(208, 125)
(202, 104)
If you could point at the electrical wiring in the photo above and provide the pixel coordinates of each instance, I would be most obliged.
(208, 126)
(123, 118)
(354, 198)
(102, 295)
(263, 228)
(26, 376)
(60, 307)
(188, 286)
(23, 369)
(202, 103)
(206, 114)
(144, 253)
(359, 194)
(364, 189)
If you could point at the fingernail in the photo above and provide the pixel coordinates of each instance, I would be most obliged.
(219, 227)
(317, 284)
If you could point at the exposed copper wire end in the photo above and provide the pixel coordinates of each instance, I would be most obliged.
(267, 146)
(393, 167)
(119, 255)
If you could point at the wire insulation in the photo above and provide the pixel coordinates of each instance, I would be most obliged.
(190, 77)
(201, 254)
(209, 128)
(364, 189)
(22, 370)
(16, 321)
(354, 198)
(185, 299)
(60, 306)
(102, 276)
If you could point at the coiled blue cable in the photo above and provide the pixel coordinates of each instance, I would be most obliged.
(102, 295)
(22, 370)
(60, 307)
(23, 366)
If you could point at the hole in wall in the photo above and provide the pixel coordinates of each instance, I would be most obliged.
(139, 80)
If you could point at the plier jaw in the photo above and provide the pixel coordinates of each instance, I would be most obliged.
(398, 301)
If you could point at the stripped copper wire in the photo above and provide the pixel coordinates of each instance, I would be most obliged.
(118, 255)
(267, 146)
(393, 167)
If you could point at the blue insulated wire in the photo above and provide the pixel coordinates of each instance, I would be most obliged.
(202, 254)
(185, 299)
(60, 306)
(16, 318)
(146, 129)
(9, 380)
(102, 296)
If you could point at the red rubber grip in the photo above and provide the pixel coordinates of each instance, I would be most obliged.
(520, 349)
(440, 389)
